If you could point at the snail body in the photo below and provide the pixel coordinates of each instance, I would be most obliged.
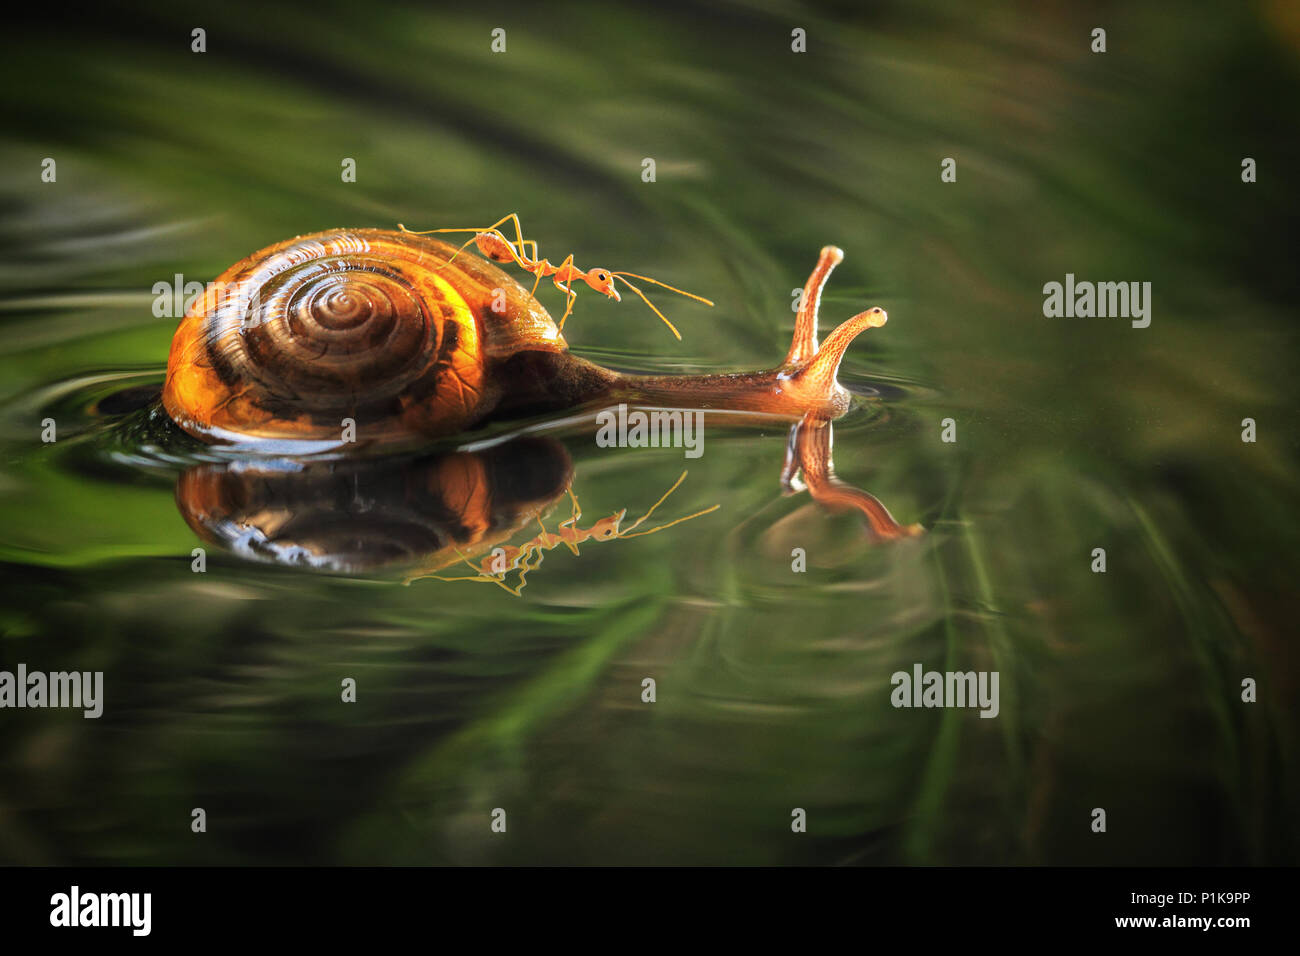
(384, 333)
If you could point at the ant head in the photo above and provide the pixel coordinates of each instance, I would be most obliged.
(602, 280)
(494, 247)
(607, 528)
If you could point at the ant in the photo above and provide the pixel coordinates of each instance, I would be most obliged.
(525, 557)
(523, 252)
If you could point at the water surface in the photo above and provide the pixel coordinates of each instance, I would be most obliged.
(1119, 690)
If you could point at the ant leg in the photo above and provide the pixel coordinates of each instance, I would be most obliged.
(495, 228)
(495, 577)
(480, 578)
(565, 272)
(545, 541)
(536, 271)
(491, 228)
(575, 511)
(500, 578)
(568, 307)
(519, 233)
(570, 523)
(525, 569)
(519, 245)
(465, 246)
(515, 247)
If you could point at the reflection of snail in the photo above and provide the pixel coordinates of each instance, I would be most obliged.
(455, 513)
(425, 514)
(357, 515)
(379, 328)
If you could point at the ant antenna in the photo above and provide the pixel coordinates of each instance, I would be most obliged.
(670, 288)
(671, 523)
(689, 295)
(672, 328)
(638, 522)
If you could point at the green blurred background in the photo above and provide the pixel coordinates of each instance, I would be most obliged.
(1119, 690)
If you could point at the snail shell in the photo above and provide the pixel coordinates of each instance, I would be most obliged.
(362, 324)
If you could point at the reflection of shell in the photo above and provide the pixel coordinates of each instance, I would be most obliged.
(357, 515)
(366, 324)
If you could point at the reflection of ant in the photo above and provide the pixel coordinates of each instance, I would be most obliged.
(495, 246)
(527, 556)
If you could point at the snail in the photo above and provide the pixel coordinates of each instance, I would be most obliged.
(425, 513)
(405, 339)
(369, 337)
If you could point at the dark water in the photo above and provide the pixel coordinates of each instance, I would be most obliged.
(1119, 690)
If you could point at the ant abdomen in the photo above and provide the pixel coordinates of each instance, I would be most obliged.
(494, 247)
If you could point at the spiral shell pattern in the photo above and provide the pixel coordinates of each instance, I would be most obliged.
(363, 326)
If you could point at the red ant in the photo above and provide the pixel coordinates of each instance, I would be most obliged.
(495, 246)
(525, 557)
